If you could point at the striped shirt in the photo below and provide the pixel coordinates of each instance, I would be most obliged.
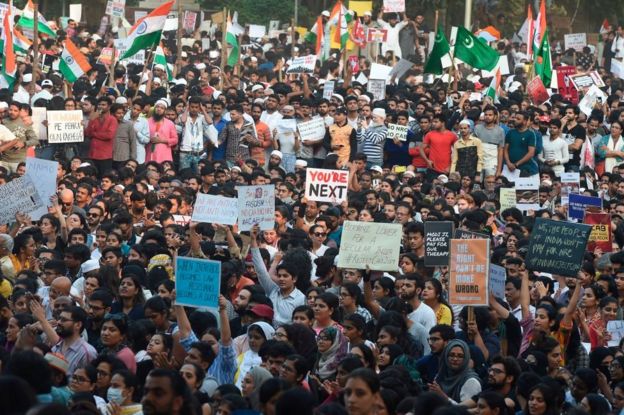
(373, 140)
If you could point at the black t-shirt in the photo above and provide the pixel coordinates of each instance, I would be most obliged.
(577, 132)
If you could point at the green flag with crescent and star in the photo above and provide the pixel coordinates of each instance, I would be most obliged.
(543, 61)
(474, 51)
(440, 48)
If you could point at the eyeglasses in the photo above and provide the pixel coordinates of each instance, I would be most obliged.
(96, 307)
(64, 320)
(79, 379)
(93, 215)
(102, 374)
(319, 234)
(279, 335)
(496, 370)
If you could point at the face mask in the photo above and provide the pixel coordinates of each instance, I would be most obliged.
(114, 395)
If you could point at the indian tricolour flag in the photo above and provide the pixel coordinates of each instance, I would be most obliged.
(315, 35)
(339, 19)
(21, 42)
(146, 32)
(492, 90)
(160, 59)
(232, 40)
(73, 63)
(9, 65)
(27, 21)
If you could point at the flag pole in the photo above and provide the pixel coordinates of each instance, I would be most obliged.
(35, 46)
(180, 26)
(111, 70)
(224, 49)
(149, 56)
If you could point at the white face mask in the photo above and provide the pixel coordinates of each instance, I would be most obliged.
(115, 395)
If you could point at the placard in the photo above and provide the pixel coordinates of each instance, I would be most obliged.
(65, 127)
(324, 185)
(585, 80)
(592, 97)
(565, 86)
(537, 91)
(19, 195)
(75, 12)
(464, 234)
(600, 236)
(397, 132)
(106, 56)
(617, 68)
(181, 220)
(121, 47)
(468, 272)
(256, 205)
(361, 7)
(302, 64)
(498, 277)
(557, 247)
(437, 237)
(39, 115)
(376, 35)
(402, 66)
(527, 193)
(616, 330)
(507, 197)
(379, 71)
(312, 130)
(576, 41)
(328, 89)
(578, 203)
(215, 209)
(190, 20)
(43, 175)
(197, 282)
(257, 31)
(377, 87)
(369, 243)
(570, 183)
(116, 8)
(393, 6)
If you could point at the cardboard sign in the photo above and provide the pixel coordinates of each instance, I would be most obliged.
(302, 64)
(527, 193)
(402, 66)
(393, 6)
(181, 220)
(468, 272)
(106, 56)
(507, 197)
(537, 91)
(370, 243)
(360, 7)
(215, 209)
(121, 47)
(312, 130)
(616, 330)
(565, 86)
(593, 96)
(43, 175)
(600, 236)
(256, 205)
(39, 115)
(397, 132)
(557, 247)
(65, 127)
(464, 234)
(570, 183)
(578, 203)
(19, 195)
(376, 35)
(325, 185)
(257, 31)
(576, 41)
(190, 20)
(585, 80)
(379, 71)
(377, 87)
(197, 282)
(437, 239)
(115, 8)
(75, 12)
(498, 277)
(328, 89)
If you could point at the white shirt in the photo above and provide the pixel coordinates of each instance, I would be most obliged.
(556, 149)
(618, 46)
(424, 315)
(271, 119)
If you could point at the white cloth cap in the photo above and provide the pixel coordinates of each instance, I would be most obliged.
(379, 112)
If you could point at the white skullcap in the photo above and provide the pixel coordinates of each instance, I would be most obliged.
(162, 101)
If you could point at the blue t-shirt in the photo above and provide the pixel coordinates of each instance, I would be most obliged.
(519, 143)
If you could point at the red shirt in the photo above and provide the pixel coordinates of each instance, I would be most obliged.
(440, 146)
(102, 134)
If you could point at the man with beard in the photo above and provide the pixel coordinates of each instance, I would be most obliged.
(141, 129)
(99, 304)
(263, 134)
(236, 136)
(373, 138)
(194, 134)
(66, 338)
(574, 134)
(163, 135)
(436, 148)
(340, 137)
(520, 147)
(411, 287)
(502, 376)
(428, 365)
(101, 130)
(492, 138)
(166, 393)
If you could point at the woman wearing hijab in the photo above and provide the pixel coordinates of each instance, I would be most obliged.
(251, 385)
(257, 334)
(332, 347)
(456, 381)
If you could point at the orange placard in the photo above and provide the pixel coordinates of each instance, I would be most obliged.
(468, 273)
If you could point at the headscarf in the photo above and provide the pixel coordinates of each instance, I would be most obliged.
(250, 358)
(162, 260)
(303, 339)
(259, 376)
(451, 381)
(328, 361)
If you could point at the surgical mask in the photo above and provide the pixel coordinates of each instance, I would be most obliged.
(114, 395)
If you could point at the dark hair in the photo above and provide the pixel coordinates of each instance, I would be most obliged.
(33, 368)
(494, 400)
(549, 395)
(369, 357)
(332, 302)
(446, 332)
(270, 388)
(178, 386)
(368, 376)
(120, 321)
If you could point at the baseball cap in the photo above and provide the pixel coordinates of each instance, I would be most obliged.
(57, 361)
(262, 310)
(378, 169)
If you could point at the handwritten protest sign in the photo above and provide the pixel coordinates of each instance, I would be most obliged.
(394, 6)
(437, 237)
(468, 272)
(593, 96)
(198, 282)
(256, 31)
(377, 87)
(19, 195)
(565, 85)
(65, 127)
(498, 276)
(328, 89)
(325, 185)
(397, 132)
(576, 41)
(616, 330)
(464, 234)
(302, 64)
(138, 58)
(557, 247)
(181, 220)
(215, 209)
(507, 198)
(43, 175)
(370, 243)
(578, 204)
(600, 236)
(256, 204)
(312, 130)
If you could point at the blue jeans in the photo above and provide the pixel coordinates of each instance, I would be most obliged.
(189, 160)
